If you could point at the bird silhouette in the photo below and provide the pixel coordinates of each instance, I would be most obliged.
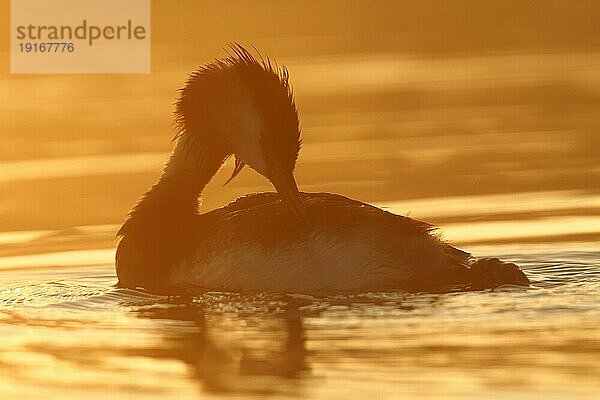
(314, 243)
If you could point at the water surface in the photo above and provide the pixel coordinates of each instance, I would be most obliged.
(70, 333)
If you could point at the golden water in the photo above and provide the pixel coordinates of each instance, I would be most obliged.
(69, 333)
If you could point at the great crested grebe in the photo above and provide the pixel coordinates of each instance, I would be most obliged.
(279, 242)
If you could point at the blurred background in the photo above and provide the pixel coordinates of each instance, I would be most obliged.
(493, 102)
(480, 116)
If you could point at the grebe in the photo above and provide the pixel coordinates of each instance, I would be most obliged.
(288, 241)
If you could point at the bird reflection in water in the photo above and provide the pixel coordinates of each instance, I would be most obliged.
(223, 364)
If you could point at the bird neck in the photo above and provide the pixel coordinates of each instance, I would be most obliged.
(174, 198)
(161, 227)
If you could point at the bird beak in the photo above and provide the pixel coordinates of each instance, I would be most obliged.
(286, 186)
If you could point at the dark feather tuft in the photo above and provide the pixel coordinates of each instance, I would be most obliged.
(268, 84)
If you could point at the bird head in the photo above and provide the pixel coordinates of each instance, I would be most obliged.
(243, 106)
